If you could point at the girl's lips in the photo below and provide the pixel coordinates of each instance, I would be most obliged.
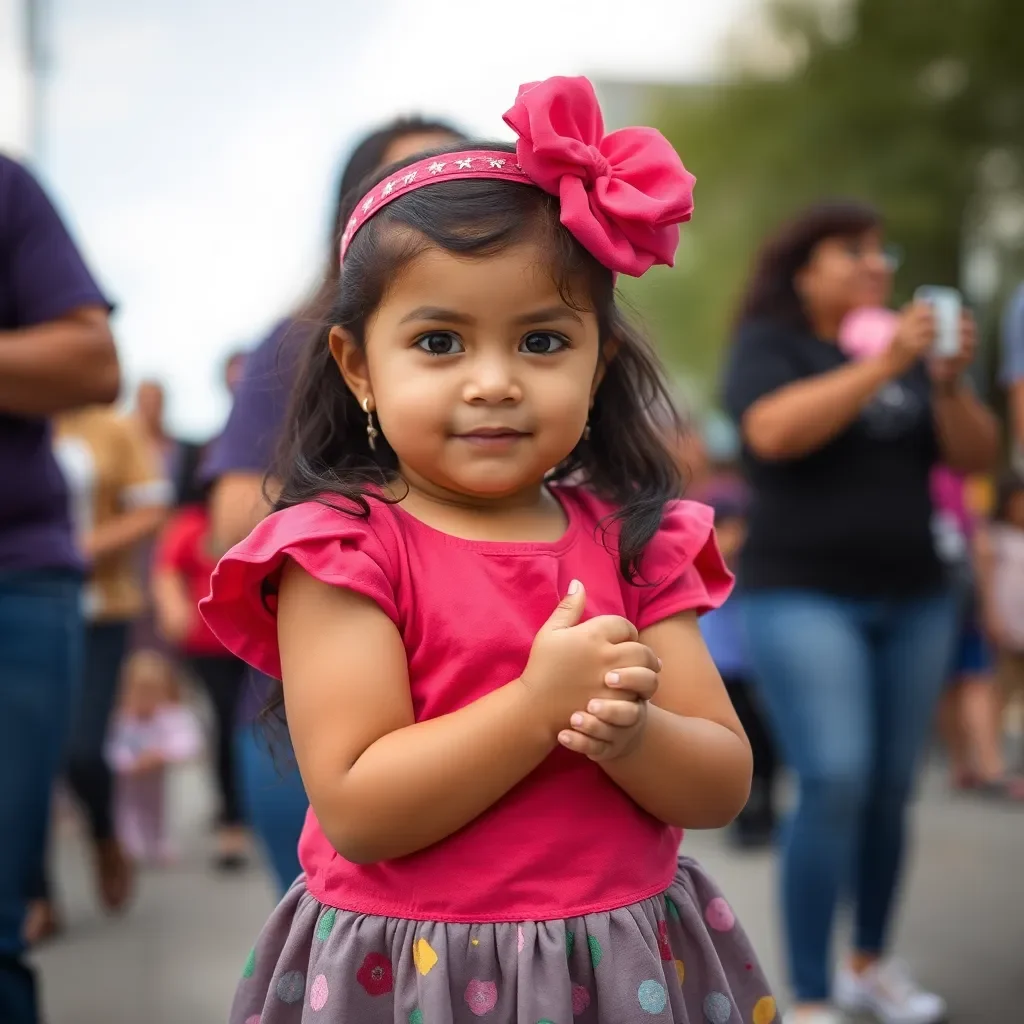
(492, 438)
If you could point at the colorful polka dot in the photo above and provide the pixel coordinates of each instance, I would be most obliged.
(325, 924)
(318, 993)
(423, 956)
(254, 1019)
(580, 1000)
(765, 1011)
(250, 965)
(680, 971)
(596, 953)
(717, 1008)
(719, 915)
(652, 996)
(673, 910)
(475, 942)
(416, 1017)
(570, 943)
(481, 997)
(664, 948)
(291, 987)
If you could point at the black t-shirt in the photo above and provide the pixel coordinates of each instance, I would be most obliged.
(854, 517)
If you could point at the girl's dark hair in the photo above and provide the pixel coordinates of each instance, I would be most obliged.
(1010, 483)
(626, 458)
(364, 160)
(771, 292)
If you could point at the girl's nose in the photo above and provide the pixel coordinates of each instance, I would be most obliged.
(492, 380)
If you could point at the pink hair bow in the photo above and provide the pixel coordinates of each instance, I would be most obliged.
(623, 195)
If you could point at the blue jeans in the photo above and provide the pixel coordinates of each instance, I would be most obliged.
(40, 659)
(274, 798)
(850, 686)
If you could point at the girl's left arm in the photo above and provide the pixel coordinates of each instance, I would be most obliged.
(692, 767)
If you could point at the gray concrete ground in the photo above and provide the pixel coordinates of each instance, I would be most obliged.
(174, 958)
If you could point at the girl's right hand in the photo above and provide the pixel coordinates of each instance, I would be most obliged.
(572, 663)
(913, 340)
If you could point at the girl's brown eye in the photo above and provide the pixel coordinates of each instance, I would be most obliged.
(440, 343)
(543, 343)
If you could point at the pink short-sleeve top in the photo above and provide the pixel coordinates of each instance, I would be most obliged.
(567, 840)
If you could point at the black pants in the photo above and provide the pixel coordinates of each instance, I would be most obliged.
(88, 773)
(744, 700)
(85, 767)
(223, 677)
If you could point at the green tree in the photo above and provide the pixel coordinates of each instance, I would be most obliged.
(914, 105)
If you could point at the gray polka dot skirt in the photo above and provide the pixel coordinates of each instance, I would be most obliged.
(680, 957)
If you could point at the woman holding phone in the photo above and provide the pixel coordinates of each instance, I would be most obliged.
(849, 617)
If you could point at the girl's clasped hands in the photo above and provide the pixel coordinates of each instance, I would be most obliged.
(594, 677)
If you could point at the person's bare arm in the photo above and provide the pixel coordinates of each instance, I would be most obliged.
(62, 364)
(122, 531)
(692, 767)
(967, 430)
(173, 606)
(804, 416)
(382, 785)
(237, 504)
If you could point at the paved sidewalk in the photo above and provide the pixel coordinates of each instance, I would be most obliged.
(175, 957)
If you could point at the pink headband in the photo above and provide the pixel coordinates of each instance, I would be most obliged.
(623, 195)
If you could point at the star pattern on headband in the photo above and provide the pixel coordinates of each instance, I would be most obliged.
(475, 165)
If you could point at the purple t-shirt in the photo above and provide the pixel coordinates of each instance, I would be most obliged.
(249, 440)
(250, 437)
(42, 278)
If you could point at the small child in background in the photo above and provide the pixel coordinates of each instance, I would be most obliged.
(1000, 558)
(968, 711)
(151, 730)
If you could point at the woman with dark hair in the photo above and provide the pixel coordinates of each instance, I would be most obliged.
(847, 612)
(236, 467)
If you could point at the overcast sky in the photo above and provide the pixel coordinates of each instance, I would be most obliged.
(194, 145)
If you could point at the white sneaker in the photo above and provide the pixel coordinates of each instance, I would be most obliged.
(889, 992)
(822, 1016)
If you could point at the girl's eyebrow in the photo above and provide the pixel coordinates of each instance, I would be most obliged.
(537, 316)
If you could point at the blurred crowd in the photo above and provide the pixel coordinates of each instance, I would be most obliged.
(881, 574)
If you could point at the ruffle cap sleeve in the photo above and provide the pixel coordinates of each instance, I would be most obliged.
(682, 568)
(335, 547)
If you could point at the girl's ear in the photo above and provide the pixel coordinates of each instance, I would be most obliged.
(350, 359)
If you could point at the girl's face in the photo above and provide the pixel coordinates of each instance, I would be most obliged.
(480, 375)
(843, 274)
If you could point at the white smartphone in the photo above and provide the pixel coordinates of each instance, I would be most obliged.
(947, 305)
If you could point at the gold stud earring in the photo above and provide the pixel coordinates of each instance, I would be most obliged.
(586, 430)
(372, 433)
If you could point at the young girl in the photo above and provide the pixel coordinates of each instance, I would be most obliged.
(499, 699)
(151, 731)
